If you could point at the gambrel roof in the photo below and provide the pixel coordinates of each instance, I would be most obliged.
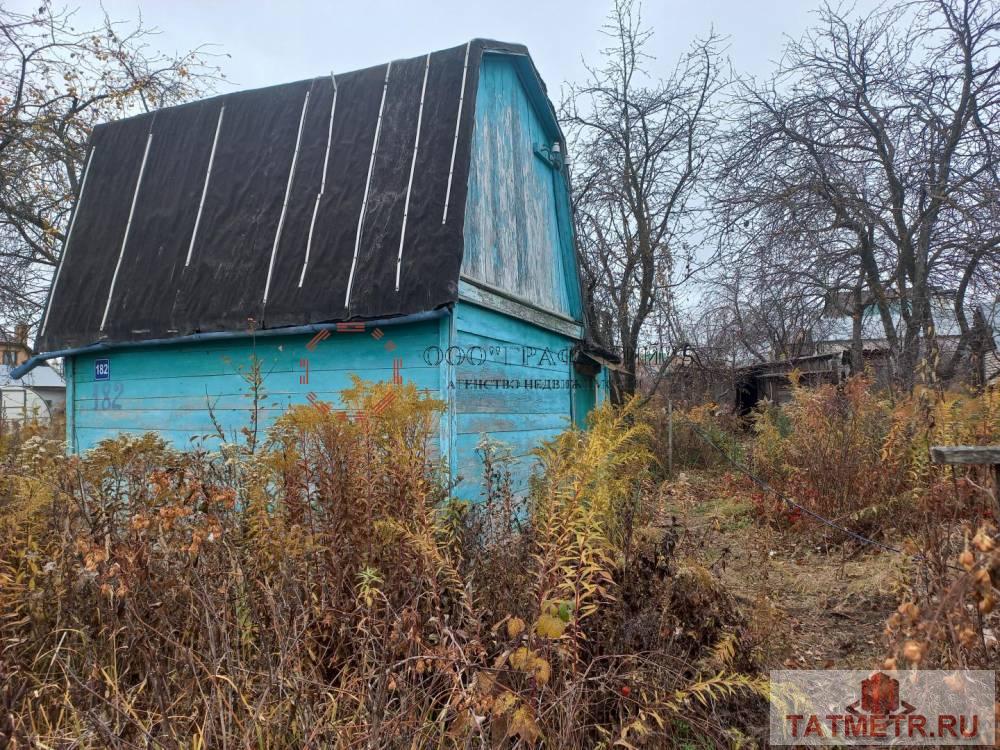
(336, 198)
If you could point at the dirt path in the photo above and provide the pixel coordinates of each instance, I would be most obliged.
(813, 609)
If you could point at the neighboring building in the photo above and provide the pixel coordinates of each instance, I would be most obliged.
(839, 319)
(771, 381)
(826, 359)
(426, 200)
(14, 350)
(39, 395)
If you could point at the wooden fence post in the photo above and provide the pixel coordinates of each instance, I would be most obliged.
(972, 455)
(670, 437)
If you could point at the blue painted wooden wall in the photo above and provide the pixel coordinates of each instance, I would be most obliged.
(168, 388)
(515, 232)
(519, 244)
(513, 383)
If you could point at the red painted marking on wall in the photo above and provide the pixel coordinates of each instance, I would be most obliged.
(311, 346)
(323, 407)
(383, 403)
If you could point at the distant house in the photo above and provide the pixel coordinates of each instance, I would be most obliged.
(827, 358)
(405, 221)
(772, 381)
(39, 394)
(841, 312)
(14, 350)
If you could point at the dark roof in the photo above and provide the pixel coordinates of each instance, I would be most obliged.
(197, 217)
(791, 363)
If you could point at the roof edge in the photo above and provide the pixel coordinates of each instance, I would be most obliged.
(21, 370)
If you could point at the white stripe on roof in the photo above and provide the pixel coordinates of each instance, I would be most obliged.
(69, 236)
(204, 190)
(128, 228)
(454, 145)
(368, 182)
(413, 164)
(322, 186)
(288, 192)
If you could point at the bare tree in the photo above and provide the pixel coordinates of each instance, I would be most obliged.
(57, 82)
(640, 146)
(774, 314)
(870, 157)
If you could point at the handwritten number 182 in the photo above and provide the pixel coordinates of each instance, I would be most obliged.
(106, 396)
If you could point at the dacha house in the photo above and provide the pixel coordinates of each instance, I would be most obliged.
(406, 221)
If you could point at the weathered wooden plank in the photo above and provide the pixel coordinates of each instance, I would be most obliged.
(584, 397)
(499, 327)
(347, 352)
(512, 234)
(179, 439)
(70, 370)
(524, 402)
(231, 390)
(521, 445)
(273, 369)
(966, 454)
(519, 399)
(189, 422)
(480, 354)
(446, 377)
(500, 423)
(480, 293)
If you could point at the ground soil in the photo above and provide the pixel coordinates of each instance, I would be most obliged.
(817, 602)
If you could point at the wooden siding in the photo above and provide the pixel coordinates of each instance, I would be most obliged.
(516, 236)
(514, 388)
(167, 389)
(585, 396)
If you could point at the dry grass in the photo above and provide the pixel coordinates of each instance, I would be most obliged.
(316, 588)
(861, 460)
(806, 607)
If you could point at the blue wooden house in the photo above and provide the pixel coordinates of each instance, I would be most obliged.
(409, 220)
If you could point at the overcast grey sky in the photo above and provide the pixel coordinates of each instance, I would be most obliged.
(274, 42)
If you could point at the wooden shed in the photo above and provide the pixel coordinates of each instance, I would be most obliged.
(773, 380)
(409, 220)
